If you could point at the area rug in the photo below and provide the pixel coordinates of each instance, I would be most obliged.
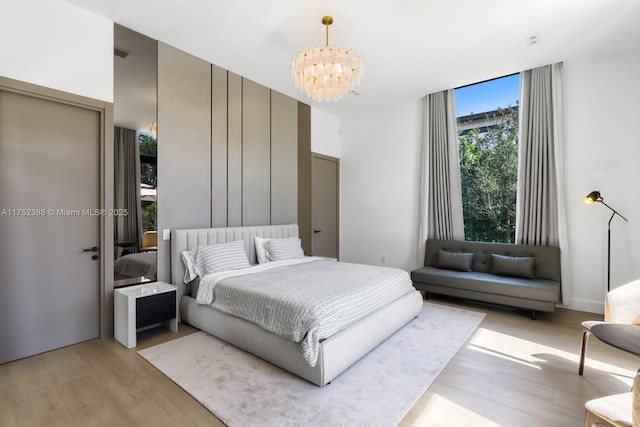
(242, 390)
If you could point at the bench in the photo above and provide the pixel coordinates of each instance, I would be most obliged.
(521, 276)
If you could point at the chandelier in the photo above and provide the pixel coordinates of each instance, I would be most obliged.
(327, 74)
(153, 128)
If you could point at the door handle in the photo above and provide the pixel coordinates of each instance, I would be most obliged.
(93, 249)
(317, 231)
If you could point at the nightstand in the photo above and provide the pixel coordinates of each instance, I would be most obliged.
(142, 307)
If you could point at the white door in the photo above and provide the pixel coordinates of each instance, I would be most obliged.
(49, 195)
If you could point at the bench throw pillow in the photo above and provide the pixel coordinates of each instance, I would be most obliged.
(460, 261)
(517, 266)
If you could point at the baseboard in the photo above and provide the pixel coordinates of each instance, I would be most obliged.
(589, 306)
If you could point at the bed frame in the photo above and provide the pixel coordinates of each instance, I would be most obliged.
(336, 354)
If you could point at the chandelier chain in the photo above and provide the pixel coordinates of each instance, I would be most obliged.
(327, 20)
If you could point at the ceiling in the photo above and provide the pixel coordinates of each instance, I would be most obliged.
(410, 47)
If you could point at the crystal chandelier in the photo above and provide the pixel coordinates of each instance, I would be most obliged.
(327, 74)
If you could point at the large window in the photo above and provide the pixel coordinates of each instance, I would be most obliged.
(148, 179)
(487, 115)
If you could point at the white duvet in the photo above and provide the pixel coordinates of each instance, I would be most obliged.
(304, 300)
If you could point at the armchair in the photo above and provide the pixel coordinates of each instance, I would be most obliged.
(621, 305)
(618, 410)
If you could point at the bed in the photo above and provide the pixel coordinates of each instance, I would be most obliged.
(135, 265)
(332, 355)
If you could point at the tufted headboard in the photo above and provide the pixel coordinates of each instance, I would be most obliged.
(187, 239)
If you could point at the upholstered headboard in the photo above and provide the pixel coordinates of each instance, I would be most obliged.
(187, 239)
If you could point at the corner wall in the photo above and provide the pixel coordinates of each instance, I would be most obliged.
(379, 188)
(325, 133)
(602, 151)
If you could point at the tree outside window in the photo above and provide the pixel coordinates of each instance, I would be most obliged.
(148, 178)
(488, 152)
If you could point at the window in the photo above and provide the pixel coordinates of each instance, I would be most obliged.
(487, 116)
(148, 179)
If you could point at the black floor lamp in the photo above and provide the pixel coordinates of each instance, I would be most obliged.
(595, 196)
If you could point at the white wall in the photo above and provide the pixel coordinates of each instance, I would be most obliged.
(379, 188)
(602, 151)
(54, 44)
(380, 170)
(325, 133)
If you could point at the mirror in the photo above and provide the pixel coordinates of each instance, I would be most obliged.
(135, 149)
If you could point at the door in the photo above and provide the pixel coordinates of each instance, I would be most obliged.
(325, 173)
(49, 199)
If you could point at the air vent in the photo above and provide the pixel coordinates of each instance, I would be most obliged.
(122, 53)
(533, 40)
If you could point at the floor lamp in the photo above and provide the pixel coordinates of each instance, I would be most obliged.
(595, 196)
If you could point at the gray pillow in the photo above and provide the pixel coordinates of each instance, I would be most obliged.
(460, 261)
(517, 266)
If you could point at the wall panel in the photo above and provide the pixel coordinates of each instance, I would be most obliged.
(284, 159)
(219, 136)
(256, 154)
(304, 175)
(234, 196)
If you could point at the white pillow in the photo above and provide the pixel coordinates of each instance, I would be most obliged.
(281, 249)
(220, 257)
(261, 251)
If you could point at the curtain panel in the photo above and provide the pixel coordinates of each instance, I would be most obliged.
(541, 212)
(441, 191)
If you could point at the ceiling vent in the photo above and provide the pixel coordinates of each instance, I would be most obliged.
(533, 40)
(120, 52)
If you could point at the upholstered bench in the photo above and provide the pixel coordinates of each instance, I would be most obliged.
(522, 276)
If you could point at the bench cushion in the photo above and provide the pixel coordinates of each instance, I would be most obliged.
(534, 289)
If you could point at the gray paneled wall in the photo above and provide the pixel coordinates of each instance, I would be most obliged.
(227, 150)
(234, 144)
(304, 176)
(184, 145)
(284, 159)
(219, 150)
(256, 154)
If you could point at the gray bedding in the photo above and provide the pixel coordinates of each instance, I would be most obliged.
(304, 300)
(136, 265)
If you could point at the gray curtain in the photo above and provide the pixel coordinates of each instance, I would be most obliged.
(441, 192)
(541, 214)
(127, 228)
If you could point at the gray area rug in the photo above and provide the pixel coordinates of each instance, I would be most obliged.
(378, 390)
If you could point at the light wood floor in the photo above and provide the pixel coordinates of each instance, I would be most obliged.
(514, 371)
